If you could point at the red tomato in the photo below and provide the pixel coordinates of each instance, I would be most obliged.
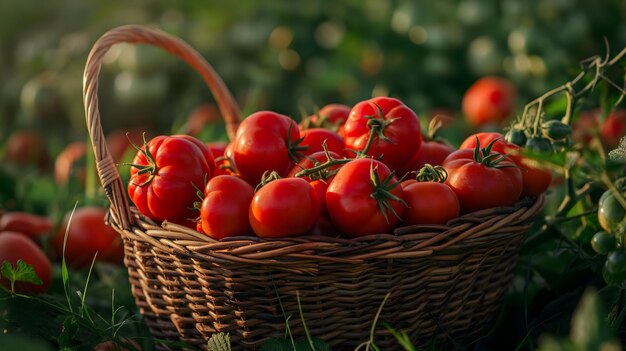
(479, 186)
(284, 207)
(398, 123)
(613, 128)
(224, 210)
(222, 152)
(16, 246)
(489, 100)
(320, 187)
(315, 137)
(218, 148)
(484, 139)
(168, 190)
(323, 227)
(430, 152)
(262, 144)
(354, 201)
(26, 223)
(584, 126)
(429, 203)
(206, 152)
(536, 179)
(26, 148)
(312, 160)
(71, 163)
(199, 117)
(335, 113)
(88, 235)
(331, 116)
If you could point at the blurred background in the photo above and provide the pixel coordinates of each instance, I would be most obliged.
(287, 56)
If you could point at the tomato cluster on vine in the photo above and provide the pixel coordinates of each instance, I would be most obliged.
(350, 171)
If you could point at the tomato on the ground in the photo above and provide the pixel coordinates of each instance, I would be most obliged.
(15, 246)
(87, 234)
(26, 223)
(489, 100)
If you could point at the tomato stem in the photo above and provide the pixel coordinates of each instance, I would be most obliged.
(382, 192)
(430, 173)
(150, 168)
(266, 179)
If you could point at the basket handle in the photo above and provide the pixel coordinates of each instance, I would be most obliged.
(135, 34)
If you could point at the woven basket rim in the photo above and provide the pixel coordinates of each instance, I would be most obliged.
(405, 242)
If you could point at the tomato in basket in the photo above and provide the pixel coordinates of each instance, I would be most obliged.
(365, 198)
(482, 178)
(535, 179)
(224, 210)
(265, 141)
(283, 208)
(165, 176)
(395, 128)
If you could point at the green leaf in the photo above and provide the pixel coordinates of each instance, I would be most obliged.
(23, 273)
(68, 333)
(219, 342)
(402, 337)
(590, 326)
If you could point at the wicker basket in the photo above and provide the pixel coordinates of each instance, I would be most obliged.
(441, 282)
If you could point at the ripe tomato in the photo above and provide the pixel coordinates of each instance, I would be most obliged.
(224, 210)
(364, 198)
(535, 178)
(331, 116)
(16, 246)
(26, 148)
(489, 100)
(199, 117)
(398, 123)
(478, 185)
(429, 203)
(323, 227)
(430, 152)
(284, 207)
(206, 152)
(312, 160)
(314, 138)
(26, 223)
(166, 188)
(71, 163)
(218, 148)
(88, 235)
(584, 127)
(613, 128)
(264, 142)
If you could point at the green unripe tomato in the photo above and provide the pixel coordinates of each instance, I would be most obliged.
(610, 211)
(616, 262)
(556, 130)
(539, 144)
(603, 243)
(516, 136)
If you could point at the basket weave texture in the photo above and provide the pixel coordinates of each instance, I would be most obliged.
(442, 282)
